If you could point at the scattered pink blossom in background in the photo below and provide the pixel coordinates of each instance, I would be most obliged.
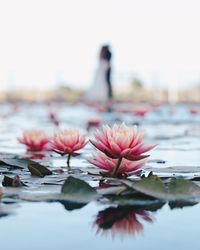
(93, 123)
(35, 140)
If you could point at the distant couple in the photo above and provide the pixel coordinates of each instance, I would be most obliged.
(101, 89)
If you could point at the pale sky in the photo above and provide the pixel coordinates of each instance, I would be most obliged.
(44, 41)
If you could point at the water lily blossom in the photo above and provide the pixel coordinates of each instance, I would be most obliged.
(121, 142)
(93, 122)
(35, 140)
(68, 141)
(108, 164)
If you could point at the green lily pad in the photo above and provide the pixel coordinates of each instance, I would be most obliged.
(78, 190)
(152, 186)
(180, 189)
(73, 191)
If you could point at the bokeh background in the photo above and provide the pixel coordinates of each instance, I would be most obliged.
(49, 48)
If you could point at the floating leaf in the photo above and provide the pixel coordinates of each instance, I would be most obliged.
(12, 182)
(152, 186)
(17, 163)
(37, 169)
(73, 190)
(112, 190)
(74, 185)
(180, 189)
(78, 190)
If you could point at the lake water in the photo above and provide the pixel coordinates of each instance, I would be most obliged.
(50, 226)
(98, 224)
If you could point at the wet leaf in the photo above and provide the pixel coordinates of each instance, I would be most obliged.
(12, 182)
(113, 190)
(17, 163)
(180, 189)
(75, 191)
(78, 190)
(39, 170)
(152, 186)
(74, 185)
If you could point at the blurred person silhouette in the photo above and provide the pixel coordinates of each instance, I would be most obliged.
(101, 88)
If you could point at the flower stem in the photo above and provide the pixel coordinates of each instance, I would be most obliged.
(68, 160)
(115, 170)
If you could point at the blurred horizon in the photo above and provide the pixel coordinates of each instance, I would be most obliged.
(49, 43)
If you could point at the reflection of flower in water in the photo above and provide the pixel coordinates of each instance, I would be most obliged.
(121, 221)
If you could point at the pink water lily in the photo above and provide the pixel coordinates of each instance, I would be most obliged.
(93, 122)
(121, 141)
(35, 140)
(68, 141)
(108, 164)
